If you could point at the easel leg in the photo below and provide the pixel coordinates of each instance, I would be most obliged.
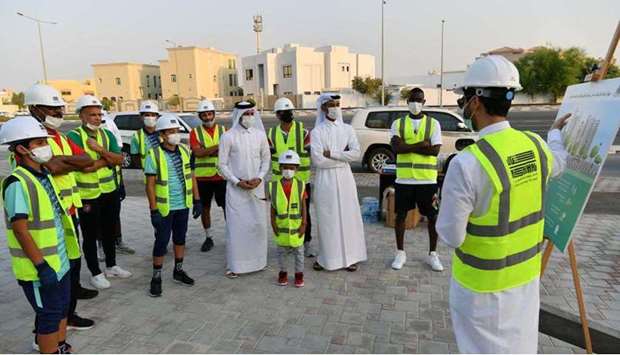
(582, 307)
(545, 257)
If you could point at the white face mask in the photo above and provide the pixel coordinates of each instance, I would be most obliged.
(150, 121)
(334, 113)
(209, 124)
(41, 154)
(288, 173)
(174, 138)
(415, 107)
(248, 121)
(92, 127)
(53, 122)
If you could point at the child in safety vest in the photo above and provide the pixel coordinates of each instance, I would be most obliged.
(288, 217)
(40, 234)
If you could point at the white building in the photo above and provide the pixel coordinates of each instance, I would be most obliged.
(296, 70)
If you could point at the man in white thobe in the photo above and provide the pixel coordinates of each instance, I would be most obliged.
(489, 322)
(244, 160)
(338, 216)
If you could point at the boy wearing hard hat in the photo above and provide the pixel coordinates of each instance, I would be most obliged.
(170, 188)
(145, 138)
(40, 234)
(288, 216)
(204, 141)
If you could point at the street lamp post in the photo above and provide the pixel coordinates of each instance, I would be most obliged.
(176, 74)
(382, 61)
(39, 22)
(441, 68)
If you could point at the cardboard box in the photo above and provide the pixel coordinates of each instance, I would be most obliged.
(389, 202)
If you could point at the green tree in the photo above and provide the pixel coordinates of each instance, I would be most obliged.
(387, 97)
(173, 101)
(107, 103)
(18, 99)
(404, 93)
(594, 151)
(368, 86)
(358, 84)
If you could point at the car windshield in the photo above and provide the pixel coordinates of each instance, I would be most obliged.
(191, 120)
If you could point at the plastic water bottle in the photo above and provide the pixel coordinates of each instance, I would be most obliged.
(370, 210)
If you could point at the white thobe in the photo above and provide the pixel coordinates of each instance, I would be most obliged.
(244, 154)
(494, 322)
(338, 216)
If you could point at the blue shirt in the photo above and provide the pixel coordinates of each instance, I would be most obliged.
(176, 178)
(152, 140)
(17, 205)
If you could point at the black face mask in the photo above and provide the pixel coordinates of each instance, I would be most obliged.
(286, 116)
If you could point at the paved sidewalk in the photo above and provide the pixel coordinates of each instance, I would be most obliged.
(373, 310)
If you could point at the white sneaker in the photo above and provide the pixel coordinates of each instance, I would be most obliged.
(434, 262)
(99, 282)
(117, 271)
(399, 260)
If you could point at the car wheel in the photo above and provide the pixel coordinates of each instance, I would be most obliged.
(377, 158)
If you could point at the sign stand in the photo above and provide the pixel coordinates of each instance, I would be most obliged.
(598, 74)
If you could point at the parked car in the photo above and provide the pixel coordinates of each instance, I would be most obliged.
(372, 126)
(129, 122)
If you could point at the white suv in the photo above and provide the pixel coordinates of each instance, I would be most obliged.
(129, 122)
(372, 126)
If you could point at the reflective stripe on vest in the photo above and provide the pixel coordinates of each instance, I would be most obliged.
(102, 181)
(207, 166)
(41, 227)
(413, 165)
(162, 193)
(502, 248)
(288, 212)
(295, 142)
(68, 191)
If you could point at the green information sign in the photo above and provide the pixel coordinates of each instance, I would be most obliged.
(591, 130)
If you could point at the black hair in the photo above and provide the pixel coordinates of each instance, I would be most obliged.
(415, 91)
(496, 103)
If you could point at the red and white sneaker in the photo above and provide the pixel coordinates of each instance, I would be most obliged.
(299, 279)
(283, 278)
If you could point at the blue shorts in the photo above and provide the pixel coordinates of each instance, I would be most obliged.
(51, 304)
(175, 224)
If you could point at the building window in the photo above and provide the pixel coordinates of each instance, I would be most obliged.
(117, 81)
(231, 80)
(287, 71)
(232, 64)
(100, 80)
(149, 95)
(148, 81)
(65, 93)
(307, 92)
(173, 78)
(154, 81)
(232, 93)
(189, 76)
(288, 93)
(214, 78)
(347, 68)
(249, 74)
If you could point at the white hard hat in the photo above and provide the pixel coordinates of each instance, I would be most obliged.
(85, 101)
(167, 121)
(289, 157)
(204, 106)
(40, 94)
(21, 128)
(149, 107)
(282, 104)
(493, 71)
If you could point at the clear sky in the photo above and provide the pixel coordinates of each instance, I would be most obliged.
(134, 30)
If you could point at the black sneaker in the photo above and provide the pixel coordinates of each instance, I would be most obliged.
(86, 293)
(155, 290)
(78, 323)
(207, 245)
(64, 348)
(181, 276)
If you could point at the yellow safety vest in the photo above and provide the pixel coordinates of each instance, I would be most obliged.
(288, 212)
(162, 194)
(41, 227)
(414, 165)
(142, 146)
(68, 190)
(295, 142)
(93, 184)
(502, 247)
(207, 166)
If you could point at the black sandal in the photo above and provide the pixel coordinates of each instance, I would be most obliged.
(352, 268)
(316, 266)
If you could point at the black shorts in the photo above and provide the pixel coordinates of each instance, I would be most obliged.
(208, 189)
(408, 197)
